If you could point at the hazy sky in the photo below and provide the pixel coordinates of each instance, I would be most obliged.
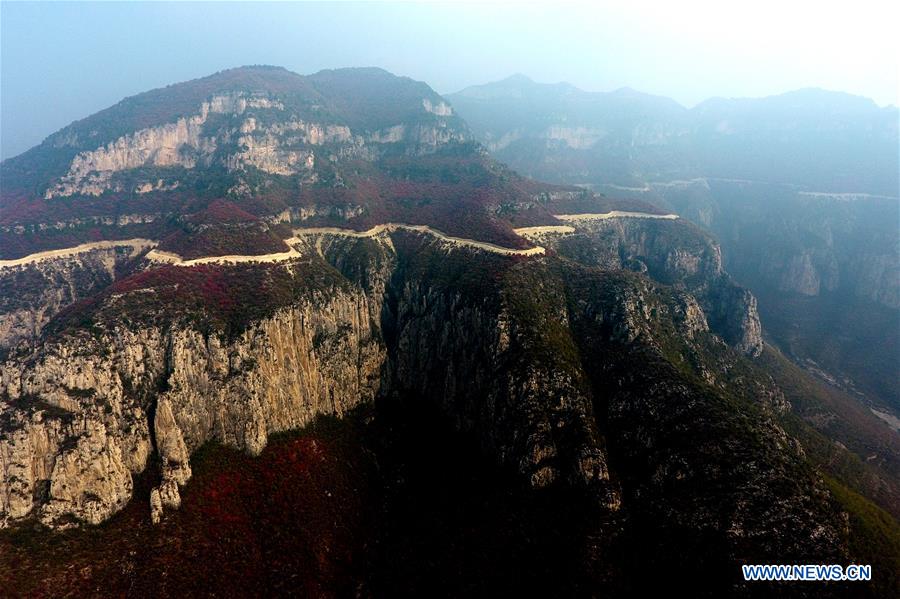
(64, 61)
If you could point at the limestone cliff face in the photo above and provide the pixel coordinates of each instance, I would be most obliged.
(825, 267)
(566, 374)
(438, 108)
(674, 253)
(806, 272)
(578, 138)
(241, 131)
(85, 414)
(172, 144)
(507, 349)
(877, 278)
(812, 244)
(531, 415)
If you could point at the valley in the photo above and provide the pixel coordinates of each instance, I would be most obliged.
(307, 327)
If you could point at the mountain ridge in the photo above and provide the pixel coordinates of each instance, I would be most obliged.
(822, 140)
(522, 79)
(593, 349)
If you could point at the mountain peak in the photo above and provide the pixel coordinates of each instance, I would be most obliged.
(803, 101)
(518, 78)
(514, 86)
(369, 110)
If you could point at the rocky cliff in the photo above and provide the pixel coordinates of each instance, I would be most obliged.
(86, 414)
(671, 252)
(539, 358)
(824, 267)
(32, 293)
(591, 353)
(812, 244)
(243, 139)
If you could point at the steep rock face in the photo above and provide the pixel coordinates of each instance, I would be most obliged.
(825, 267)
(813, 244)
(565, 377)
(90, 481)
(182, 388)
(167, 145)
(180, 143)
(471, 353)
(558, 376)
(572, 376)
(733, 313)
(531, 415)
(86, 430)
(260, 130)
(31, 294)
(85, 414)
(658, 423)
(578, 379)
(128, 392)
(673, 253)
(807, 272)
(877, 278)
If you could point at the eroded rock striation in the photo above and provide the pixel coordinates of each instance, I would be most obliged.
(87, 412)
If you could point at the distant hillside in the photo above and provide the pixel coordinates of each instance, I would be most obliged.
(824, 141)
(800, 188)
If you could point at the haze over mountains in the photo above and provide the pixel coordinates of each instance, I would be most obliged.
(801, 189)
(819, 140)
(438, 371)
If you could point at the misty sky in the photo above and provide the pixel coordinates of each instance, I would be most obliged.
(64, 61)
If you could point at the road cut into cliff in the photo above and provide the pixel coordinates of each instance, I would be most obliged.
(137, 246)
(163, 257)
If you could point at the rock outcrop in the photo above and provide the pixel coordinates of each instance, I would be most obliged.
(84, 416)
(599, 382)
(31, 294)
(117, 395)
(252, 131)
(675, 253)
(172, 144)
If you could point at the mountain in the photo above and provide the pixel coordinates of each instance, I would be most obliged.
(306, 329)
(825, 267)
(820, 140)
(556, 132)
(801, 189)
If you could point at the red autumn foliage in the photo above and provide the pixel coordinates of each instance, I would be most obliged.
(457, 191)
(289, 521)
(222, 212)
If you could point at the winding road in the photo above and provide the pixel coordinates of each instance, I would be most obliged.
(159, 256)
(136, 245)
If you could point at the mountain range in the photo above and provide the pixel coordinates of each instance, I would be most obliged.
(815, 139)
(272, 333)
(801, 189)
